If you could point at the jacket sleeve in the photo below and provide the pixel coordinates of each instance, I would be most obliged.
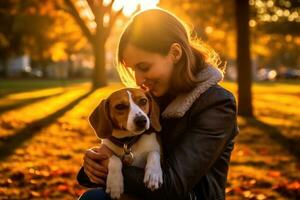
(200, 147)
(84, 180)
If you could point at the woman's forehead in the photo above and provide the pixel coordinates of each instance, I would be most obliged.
(133, 55)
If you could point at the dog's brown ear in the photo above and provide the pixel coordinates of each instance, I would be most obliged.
(100, 121)
(154, 113)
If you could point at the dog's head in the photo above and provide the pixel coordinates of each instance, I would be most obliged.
(131, 110)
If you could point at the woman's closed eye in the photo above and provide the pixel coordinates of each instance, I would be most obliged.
(144, 67)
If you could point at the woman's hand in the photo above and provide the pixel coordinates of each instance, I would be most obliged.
(95, 164)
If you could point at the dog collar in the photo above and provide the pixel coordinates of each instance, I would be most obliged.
(129, 141)
(126, 144)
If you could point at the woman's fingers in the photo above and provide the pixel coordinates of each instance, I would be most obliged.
(94, 178)
(94, 164)
(98, 173)
(95, 155)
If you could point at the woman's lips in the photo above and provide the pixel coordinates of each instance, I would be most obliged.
(150, 85)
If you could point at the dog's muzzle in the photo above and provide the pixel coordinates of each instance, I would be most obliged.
(140, 122)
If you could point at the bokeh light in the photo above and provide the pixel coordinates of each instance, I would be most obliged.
(129, 7)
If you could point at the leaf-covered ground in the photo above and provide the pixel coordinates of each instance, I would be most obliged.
(44, 133)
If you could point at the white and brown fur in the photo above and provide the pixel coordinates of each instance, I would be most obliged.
(126, 113)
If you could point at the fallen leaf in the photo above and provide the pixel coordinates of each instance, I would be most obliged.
(274, 174)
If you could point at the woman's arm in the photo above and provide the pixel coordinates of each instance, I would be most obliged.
(198, 150)
(85, 181)
(94, 170)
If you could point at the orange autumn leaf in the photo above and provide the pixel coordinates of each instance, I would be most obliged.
(295, 185)
(63, 188)
(274, 174)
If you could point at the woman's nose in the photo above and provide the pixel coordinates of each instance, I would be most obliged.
(139, 79)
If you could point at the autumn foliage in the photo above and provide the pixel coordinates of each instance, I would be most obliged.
(44, 133)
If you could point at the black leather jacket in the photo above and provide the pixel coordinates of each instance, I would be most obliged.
(196, 148)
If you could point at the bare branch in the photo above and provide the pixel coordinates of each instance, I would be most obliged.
(114, 17)
(109, 7)
(100, 6)
(97, 9)
(73, 11)
(112, 20)
(93, 6)
(100, 2)
(59, 6)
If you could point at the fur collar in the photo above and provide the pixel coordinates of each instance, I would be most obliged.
(208, 77)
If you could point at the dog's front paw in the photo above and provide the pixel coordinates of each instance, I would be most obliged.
(153, 177)
(114, 185)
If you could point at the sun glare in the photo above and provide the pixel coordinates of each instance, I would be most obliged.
(130, 6)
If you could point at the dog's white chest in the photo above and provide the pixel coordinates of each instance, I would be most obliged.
(146, 143)
(146, 153)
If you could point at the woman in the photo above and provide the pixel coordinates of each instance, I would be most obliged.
(198, 116)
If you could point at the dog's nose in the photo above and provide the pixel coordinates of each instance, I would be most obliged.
(140, 121)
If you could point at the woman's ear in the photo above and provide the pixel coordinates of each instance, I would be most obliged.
(175, 52)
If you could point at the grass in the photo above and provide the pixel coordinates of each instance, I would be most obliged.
(8, 86)
(44, 132)
(266, 160)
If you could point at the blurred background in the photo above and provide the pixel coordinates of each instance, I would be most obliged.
(57, 61)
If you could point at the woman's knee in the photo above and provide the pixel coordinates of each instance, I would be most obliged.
(94, 194)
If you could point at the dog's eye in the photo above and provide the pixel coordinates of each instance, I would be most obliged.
(142, 102)
(121, 107)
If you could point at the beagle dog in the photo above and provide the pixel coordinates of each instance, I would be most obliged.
(127, 122)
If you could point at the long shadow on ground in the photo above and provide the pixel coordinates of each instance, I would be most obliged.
(25, 102)
(291, 144)
(21, 85)
(9, 144)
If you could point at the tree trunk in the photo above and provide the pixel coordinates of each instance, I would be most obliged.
(99, 75)
(4, 63)
(243, 59)
(43, 66)
(70, 66)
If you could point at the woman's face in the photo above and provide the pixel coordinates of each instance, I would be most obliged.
(152, 70)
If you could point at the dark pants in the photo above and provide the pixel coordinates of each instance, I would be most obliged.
(95, 194)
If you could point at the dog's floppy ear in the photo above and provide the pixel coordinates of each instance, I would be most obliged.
(100, 121)
(154, 113)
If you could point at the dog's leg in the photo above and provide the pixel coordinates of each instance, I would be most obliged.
(114, 182)
(153, 172)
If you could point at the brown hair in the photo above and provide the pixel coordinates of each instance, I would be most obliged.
(155, 30)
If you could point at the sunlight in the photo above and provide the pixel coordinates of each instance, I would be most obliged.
(146, 4)
(130, 6)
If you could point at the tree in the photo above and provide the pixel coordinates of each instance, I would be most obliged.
(38, 29)
(10, 36)
(276, 16)
(275, 30)
(211, 20)
(243, 59)
(97, 37)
